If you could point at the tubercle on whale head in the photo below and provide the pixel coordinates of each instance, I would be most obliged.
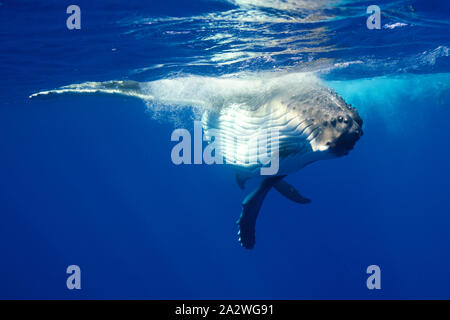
(349, 131)
(337, 126)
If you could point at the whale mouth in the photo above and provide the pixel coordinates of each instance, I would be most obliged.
(345, 142)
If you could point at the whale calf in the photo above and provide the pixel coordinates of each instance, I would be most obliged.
(312, 121)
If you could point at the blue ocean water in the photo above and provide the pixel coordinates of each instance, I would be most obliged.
(88, 180)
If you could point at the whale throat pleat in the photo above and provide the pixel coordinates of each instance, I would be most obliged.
(242, 132)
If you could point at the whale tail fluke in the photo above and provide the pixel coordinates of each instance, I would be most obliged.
(253, 202)
(290, 192)
(250, 209)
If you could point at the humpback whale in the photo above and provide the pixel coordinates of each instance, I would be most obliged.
(313, 123)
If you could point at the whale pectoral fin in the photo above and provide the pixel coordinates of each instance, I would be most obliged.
(120, 87)
(290, 192)
(250, 209)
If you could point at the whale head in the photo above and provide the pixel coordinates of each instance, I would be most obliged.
(340, 131)
(333, 126)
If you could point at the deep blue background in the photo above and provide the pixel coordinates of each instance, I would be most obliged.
(88, 180)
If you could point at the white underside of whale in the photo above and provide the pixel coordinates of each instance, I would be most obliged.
(241, 129)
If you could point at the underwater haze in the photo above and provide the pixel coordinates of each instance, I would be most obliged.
(87, 179)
